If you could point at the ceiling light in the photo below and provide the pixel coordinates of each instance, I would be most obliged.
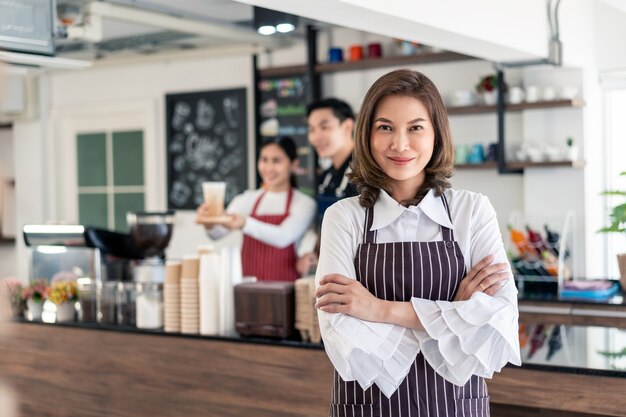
(285, 27)
(268, 22)
(266, 30)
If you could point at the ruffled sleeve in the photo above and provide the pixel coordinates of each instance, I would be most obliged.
(369, 353)
(474, 337)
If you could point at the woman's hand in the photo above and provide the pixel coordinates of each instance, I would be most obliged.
(305, 263)
(202, 210)
(483, 277)
(339, 294)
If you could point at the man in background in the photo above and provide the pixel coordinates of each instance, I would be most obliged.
(331, 125)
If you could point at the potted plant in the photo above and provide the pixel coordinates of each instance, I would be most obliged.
(487, 87)
(35, 295)
(63, 294)
(11, 290)
(618, 225)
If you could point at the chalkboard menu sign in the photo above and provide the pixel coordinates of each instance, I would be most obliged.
(283, 113)
(206, 141)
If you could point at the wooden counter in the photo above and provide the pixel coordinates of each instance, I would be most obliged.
(71, 371)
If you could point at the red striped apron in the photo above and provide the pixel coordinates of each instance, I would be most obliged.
(266, 262)
(398, 271)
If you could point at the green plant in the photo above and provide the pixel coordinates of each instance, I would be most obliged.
(617, 215)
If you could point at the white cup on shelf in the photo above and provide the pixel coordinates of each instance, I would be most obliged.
(516, 95)
(568, 92)
(532, 93)
(549, 93)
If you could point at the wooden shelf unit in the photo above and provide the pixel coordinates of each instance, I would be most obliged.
(553, 104)
(368, 63)
(522, 165)
(546, 164)
(482, 166)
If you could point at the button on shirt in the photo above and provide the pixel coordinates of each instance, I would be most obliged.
(461, 338)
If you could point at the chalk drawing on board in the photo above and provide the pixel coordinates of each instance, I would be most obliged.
(230, 161)
(181, 113)
(179, 193)
(231, 111)
(179, 164)
(205, 114)
(232, 187)
(206, 140)
(230, 139)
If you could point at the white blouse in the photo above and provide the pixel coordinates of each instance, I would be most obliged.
(461, 338)
(301, 214)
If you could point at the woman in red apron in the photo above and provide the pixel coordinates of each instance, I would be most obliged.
(408, 329)
(273, 218)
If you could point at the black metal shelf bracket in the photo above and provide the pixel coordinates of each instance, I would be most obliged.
(501, 110)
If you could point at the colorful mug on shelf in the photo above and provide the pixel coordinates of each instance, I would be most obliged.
(356, 53)
(476, 154)
(460, 154)
(374, 50)
(492, 152)
(335, 55)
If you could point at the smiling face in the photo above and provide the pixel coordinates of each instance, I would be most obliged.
(275, 168)
(328, 135)
(402, 140)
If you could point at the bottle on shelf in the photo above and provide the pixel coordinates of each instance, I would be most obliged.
(522, 244)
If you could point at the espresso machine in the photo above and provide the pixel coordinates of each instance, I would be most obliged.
(104, 261)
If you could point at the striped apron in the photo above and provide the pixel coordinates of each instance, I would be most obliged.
(266, 262)
(398, 271)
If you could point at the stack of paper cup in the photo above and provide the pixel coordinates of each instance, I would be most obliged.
(171, 297)
(189, 295)
(306, 314)
(210, 294)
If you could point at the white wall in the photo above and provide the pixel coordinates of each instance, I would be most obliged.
(149, 83)
(8, 264)
(610, 49)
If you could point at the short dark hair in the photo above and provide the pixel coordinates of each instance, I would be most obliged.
(288, 145)
(340, 108)
(368, 177)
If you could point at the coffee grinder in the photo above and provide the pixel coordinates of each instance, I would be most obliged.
(151, 233)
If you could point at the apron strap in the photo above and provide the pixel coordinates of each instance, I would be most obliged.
(287, 205)
(369, 236)
(256, 204)
(447, 233)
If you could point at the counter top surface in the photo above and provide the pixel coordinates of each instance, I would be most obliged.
(617, 300)
(575, 355)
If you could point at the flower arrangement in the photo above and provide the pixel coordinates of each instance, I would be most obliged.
(36, 291)
(487, 83)
(62, 292)
(11, 289)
